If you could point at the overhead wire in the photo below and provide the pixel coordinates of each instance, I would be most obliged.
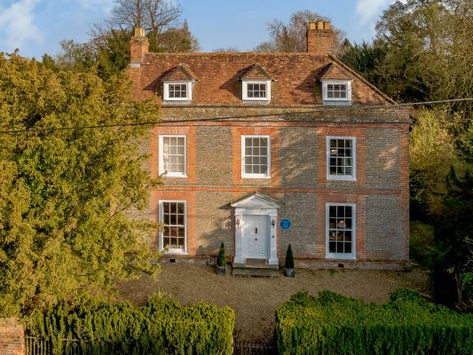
(237, 117)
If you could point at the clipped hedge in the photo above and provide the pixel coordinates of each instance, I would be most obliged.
(407, 324)
(162, 326)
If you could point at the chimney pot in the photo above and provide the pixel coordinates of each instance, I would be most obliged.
(139, 32)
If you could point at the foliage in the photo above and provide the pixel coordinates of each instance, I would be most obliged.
(162, 326)
(431, 145)
(107, 55)
(421, 240)
(65, 192)
(221, 256)
(289, 263)
(421, 52)
(452, 256)
(108, 50)
(292, 36)
(335, 324)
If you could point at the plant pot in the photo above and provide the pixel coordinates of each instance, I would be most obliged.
(289, 272)
(220, 270)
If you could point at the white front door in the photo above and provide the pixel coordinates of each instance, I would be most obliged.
(256, 236)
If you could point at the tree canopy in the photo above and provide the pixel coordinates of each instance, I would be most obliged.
(65, 191)
(422, 51)
(292, 36)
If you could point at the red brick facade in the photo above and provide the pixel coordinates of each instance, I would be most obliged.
(297, 123)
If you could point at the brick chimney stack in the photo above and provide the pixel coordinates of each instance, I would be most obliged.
(320, 37)
(138, 45)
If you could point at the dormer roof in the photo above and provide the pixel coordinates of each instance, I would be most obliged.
(255, 72)
(180, 72)
(332, 72)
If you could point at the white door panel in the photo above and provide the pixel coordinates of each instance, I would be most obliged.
(256, 236)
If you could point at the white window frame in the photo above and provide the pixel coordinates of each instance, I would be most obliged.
(245, 90)
(351, 177)
(325, 84)
(268, 150)
(161, 156)
(188, 90)
(161, 221)
(348, 256)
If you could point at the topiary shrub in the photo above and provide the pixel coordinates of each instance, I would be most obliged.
(289, 263)
(221, 256)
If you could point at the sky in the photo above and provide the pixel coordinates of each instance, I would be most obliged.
(37, 26)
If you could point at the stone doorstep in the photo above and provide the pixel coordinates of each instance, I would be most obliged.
(255, 267)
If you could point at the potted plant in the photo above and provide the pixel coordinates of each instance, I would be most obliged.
(289, 263)
(221, 264)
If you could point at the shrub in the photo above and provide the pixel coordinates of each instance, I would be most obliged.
(161, 326)
(335, 324)
(289, 263)
(221, 256)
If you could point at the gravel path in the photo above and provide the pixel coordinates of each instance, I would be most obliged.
(255, 299)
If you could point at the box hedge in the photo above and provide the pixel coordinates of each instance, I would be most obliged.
(407, 324)
(162, 326)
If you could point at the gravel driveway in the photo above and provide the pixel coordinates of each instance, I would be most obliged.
(255, 299)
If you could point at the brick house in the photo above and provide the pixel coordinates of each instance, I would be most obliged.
(260, 150)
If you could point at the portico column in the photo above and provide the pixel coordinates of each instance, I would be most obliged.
(238, 259)
(273, 240)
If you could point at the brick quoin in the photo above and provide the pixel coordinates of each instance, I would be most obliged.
(297, 123)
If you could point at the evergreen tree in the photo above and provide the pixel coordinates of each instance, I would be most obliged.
(65, 194)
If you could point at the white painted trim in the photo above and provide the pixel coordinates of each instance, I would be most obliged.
(334, 81)
(244, 89)
(161, 219)
(352, 255)
(161, 153)
(268, 149)
(351, 177)
(188, 90)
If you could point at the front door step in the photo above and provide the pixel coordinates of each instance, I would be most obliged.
(255, 267)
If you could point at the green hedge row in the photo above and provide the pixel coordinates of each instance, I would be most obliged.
(162, 326)
(407, 324)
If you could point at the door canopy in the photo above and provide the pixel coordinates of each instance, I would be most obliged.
(256, 201)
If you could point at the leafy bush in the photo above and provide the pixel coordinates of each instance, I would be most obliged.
(161, 326)
(335, 324)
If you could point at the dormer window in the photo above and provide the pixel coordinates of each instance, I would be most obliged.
(256, 90)
(178, 91)
(256, 84)
(178, 83)
(336, 91)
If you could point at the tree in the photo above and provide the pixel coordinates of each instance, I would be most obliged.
(431, 145)
(421, 52)
(453, 249)
(292, 36)
(65, 194)
(159, 18)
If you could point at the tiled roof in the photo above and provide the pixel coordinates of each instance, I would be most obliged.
(294, 77)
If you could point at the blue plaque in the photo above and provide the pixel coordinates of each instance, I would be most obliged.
(285, 224)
